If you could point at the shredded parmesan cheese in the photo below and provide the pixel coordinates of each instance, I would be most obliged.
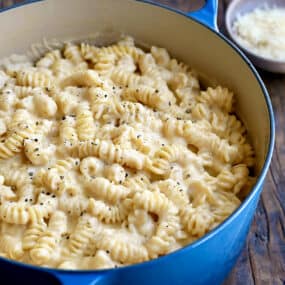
(262, 31)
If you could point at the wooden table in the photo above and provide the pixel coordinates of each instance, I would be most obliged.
(262, 261)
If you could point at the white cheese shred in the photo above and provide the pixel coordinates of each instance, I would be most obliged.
(262, 31)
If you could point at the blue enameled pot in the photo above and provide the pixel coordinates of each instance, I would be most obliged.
(193, 38)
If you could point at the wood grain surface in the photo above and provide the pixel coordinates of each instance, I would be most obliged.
(262, 261)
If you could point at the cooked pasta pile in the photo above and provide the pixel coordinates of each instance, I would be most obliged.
(113, 156)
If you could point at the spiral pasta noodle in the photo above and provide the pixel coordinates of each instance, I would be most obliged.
(47, 243)
(122, 250)
(34, 79)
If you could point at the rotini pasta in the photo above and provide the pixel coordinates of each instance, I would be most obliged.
(34, 79)
(106, 213)
(114, 155)
(81, 236)
(49, 59)
(33, 233)
(14, 213)
(102, 188)
(84, 123)
(148, 96)
(86, 78)
(68, 134)
(110, 153)
(123, 250)
(72, 52)
(47, 243)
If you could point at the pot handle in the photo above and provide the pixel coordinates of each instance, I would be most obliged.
(207, 15)
(19, 4)
(70, 278)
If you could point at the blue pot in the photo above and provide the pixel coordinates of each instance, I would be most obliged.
(194, 38)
